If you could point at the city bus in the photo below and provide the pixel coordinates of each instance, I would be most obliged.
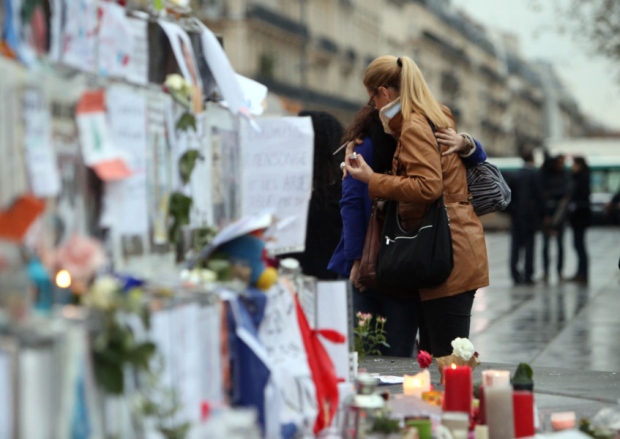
(604, 174)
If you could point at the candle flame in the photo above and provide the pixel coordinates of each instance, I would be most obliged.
(453, 366)
(63, 279)
(416, 382)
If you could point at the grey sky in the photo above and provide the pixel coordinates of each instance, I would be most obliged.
(588, 77)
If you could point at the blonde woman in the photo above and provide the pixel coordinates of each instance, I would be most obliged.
(419, 176)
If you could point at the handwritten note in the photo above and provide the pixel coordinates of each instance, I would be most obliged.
(80, 34)
(277, 164)
(115, 41)
(138, 70)
(93, 128)
(42, 164)
(280, 334)
(127, 112)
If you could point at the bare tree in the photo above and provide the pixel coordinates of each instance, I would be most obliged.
(596, 22)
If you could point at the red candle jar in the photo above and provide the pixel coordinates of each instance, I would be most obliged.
(458, 393)
(523, 406)
(482, 416)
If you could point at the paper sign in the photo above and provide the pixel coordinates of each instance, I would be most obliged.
(279, 331)
(332, 313)
(222, 70)
(6, 396)
(16, 220)
(58, 8)
(40, 156)
(80, 34)
(138, 70)
(277, 164)
(94, 132)
(127, 112)
(115, 41)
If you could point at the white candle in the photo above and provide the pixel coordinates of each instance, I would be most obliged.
(481, 432)
(493, 378)
(499, 411)
(455, 421)
(415, 385)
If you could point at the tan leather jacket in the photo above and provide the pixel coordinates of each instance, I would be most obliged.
(416, 182)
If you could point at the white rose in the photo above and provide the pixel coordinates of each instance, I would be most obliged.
(462, 347)
(102, 294)
(175, 82)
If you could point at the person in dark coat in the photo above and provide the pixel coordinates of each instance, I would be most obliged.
(324, 222)
(580, 215)
(556, 183)
(526, 211)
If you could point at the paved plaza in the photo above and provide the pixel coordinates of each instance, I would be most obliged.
(559, 324)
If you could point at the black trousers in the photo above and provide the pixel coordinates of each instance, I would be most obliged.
(559, 238)
(579, 242)
(401, 325)
(443, 320)
(522, 239)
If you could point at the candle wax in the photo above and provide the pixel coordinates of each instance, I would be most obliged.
(458, 393)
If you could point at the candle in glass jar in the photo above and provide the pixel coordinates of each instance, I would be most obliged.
(562, 421)
(499, 412)
(415, 385)
(523, 405)
(491, 378)
(458, 393)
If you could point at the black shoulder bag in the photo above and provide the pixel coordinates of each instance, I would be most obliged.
(418, 258)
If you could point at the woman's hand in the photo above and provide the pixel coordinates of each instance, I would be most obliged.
(358, 168)
(355, 274)
(348, 151)
(450, 138)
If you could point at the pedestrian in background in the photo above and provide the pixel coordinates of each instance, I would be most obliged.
(580, 215)
(556, 183)
(526, 211)
(324, 223)
(420, 175)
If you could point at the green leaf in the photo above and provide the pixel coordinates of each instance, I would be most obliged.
(524, 374)
(186, 121)
(187, 162)
(109, 376)
(178, 209)
(142, 354)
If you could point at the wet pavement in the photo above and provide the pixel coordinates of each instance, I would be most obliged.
(558, 324)
(568, 333)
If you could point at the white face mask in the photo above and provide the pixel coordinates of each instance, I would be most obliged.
(387, 113)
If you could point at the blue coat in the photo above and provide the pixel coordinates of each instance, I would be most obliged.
(355, 207)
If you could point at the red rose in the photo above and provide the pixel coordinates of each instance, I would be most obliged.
(424, 359)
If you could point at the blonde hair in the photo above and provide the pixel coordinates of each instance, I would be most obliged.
(404, 75)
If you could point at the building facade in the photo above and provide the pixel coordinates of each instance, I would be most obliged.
(313, 53)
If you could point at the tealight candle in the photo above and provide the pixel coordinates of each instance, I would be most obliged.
(562, 421)
(415, 385)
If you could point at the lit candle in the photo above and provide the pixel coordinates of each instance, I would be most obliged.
(499, 413)
(415, 385)
(63, 282)
(458, 393)
(523, 404)
(424, 427)
(492, 378)
(562, 421)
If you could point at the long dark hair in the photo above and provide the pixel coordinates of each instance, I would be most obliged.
(326, 180)
(367, 123)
